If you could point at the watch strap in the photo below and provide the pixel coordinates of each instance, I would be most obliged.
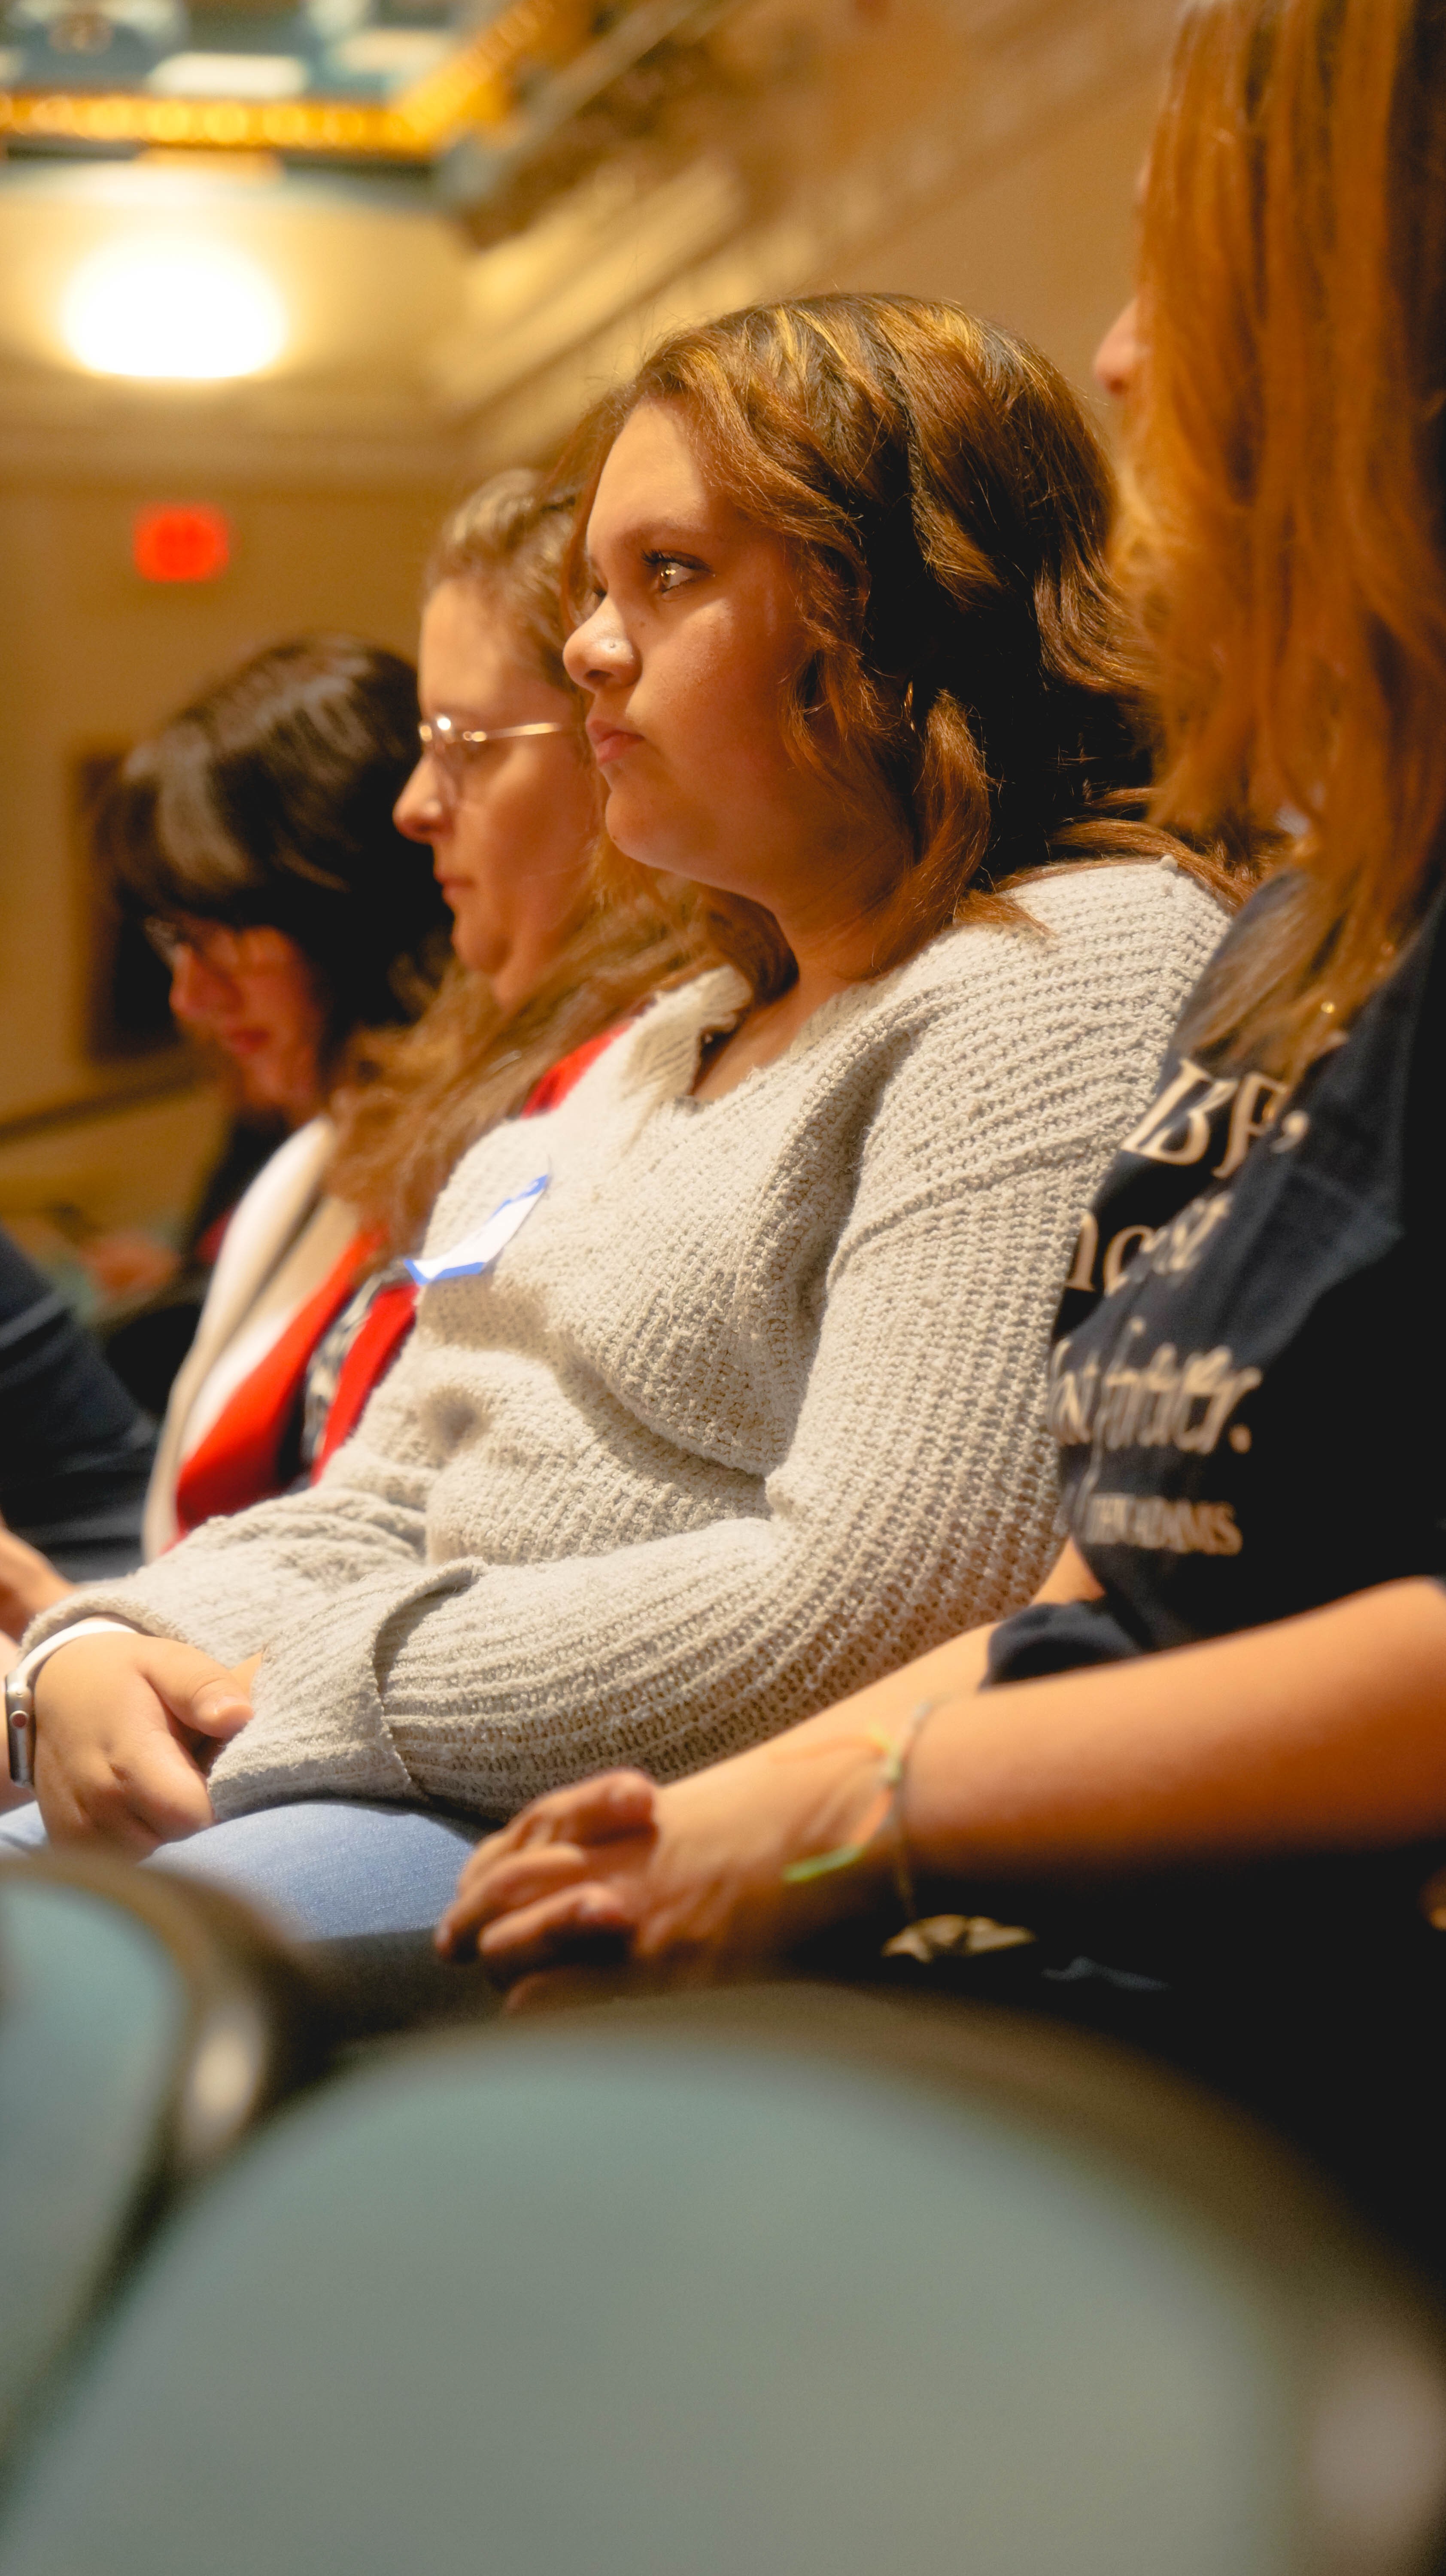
(20, 1690)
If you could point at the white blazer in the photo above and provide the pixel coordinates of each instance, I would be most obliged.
(284, 1238)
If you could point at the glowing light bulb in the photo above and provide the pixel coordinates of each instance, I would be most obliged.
(190, 311)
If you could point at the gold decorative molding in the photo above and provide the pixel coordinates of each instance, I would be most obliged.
(225, 124)
(474, 89)
(473, 92)
(1011, 75)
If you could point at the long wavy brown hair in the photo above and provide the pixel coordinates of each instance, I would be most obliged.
(423, 1095)
(1285, 529)
(967, 650)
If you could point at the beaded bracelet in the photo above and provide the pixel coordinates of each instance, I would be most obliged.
(885, 1811)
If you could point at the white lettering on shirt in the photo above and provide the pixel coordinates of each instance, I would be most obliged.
(1150, 1520)
(1166, 1403)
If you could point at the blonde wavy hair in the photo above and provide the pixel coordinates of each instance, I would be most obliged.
(968, 655)
(1284, 536)
(421, 1096)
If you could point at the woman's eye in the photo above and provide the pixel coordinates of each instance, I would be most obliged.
(671, 571)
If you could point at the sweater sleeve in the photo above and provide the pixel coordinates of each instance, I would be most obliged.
(917, 1496)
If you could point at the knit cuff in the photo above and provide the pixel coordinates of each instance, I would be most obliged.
(319, 1726)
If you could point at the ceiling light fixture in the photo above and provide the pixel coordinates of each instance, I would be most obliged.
(191, 312)
(228, 76)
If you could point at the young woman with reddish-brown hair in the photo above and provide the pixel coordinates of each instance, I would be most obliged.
(726, 1388)
(1220, 1757)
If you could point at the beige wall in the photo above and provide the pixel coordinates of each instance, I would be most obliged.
(125, 1170)
(1045, 242)
(90, 655)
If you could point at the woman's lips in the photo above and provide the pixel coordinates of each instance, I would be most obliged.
(609, 741)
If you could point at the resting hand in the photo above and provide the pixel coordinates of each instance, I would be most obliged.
(28, 1583)
(124, 1726)
(669, 1885)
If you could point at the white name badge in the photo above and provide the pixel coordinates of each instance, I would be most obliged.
(474, 1256)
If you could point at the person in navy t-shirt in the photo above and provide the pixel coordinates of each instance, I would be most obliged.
(1243, 1381)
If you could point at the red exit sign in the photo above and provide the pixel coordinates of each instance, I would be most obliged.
(181, 542)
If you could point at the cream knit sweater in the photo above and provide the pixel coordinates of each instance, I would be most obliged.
(749, 1410)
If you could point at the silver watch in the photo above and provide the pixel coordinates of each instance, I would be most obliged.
(20, 1728)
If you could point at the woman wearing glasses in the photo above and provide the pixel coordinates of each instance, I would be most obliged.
(254, 835)
(546, 968)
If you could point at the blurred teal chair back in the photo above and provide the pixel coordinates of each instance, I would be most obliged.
(783, 2283)
(142, 2029)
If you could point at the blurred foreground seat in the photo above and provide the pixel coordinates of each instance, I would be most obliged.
(143, 2028)
(779, 2282)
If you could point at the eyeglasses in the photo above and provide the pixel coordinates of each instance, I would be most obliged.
(453, 749)
(214, 944)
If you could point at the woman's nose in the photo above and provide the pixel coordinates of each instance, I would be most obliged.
(193, 987)
(1117, 359)
(419, 809)
(598, 651)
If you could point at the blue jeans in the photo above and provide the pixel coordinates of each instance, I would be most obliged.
(326, 1868)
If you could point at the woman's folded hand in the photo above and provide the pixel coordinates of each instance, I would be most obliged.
(124, 1729)
(564, 1880)
(620, 1882)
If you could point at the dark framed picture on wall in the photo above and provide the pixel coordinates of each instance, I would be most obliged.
(125, 987)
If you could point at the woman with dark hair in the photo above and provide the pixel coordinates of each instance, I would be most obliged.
(254, 835)
(260, 819)
(726, 1385)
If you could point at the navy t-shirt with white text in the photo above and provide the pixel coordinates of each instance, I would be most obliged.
(1247, 1374)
